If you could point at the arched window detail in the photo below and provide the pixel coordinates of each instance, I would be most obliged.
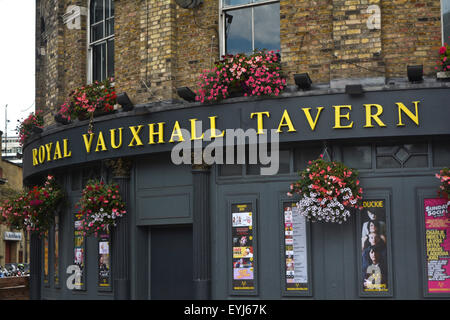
(101, 39)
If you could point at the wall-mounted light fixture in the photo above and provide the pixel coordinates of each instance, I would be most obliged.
(354, 89)
(186, 93)
(303, 81)
(124, 101)
(415, 73)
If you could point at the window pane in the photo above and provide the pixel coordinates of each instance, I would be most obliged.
(446, 19)
(111, 6)
(386, 149)
(303, 155)
(97, 32)
(387, 162)
(107, 8)
(227, 3)
(99, 62)
(238, 31)
(110, 66)
(441, 154)
(267, 27)
(96, 11)
(284, 164)
(416, 148)
(109, 27)
(416, 162)
(358, 157)
(230, 170)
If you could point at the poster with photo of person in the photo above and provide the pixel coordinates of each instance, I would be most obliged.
(79, 250)
(243, 246)
(104, 264)
(374, 257)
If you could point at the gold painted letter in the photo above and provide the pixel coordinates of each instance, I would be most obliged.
(312, 123)
(194, 130)
(48, 147)
(286, 122)
(88, 143)
(259, 118)
(160, 132)
(338, 116)
(413, 117)
(58, 154)
(67, 153)
(100, 142)
(212, 126)
(136, 136)
(370, 116)
(35, 160)
(41, 154)
(113, 138)
(176, 132)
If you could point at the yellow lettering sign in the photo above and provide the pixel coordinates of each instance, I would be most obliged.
(259, 120)
(338, 116)
(286, 122)
(312, 123)
(402, 108)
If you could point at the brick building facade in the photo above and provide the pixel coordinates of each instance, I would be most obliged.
(179, 238)
(170, 46)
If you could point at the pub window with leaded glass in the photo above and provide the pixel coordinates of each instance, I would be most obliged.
(249, 25)
(101, 39)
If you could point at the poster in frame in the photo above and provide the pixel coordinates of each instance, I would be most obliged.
(243, 247)
(374, 246)
(295, 251)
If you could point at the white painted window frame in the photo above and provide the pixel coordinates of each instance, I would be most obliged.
(223, 9)
(442, 24)
(90, 44)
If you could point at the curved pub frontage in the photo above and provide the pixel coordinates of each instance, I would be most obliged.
(206, 186)
(180, 235)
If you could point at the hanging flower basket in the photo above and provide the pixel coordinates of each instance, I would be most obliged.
(328, 191)
(444, 188)
(100, 206)
(33, 210)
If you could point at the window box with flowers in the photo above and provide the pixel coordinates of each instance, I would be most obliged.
(328, 191)
(258, 74)
(100, 206)
(33, 210)
(32, 124)
(85, 102)
(444, 62)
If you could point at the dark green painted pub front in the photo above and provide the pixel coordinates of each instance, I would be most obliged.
(178, 239)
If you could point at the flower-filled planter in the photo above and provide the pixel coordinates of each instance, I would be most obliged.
(444, 62)
(33, 210)
(95, 99)
(32, 124)
(100, 206)
(444, 177)
(328, 191)
(255, 75)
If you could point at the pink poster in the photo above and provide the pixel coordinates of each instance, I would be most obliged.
(437, 226)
